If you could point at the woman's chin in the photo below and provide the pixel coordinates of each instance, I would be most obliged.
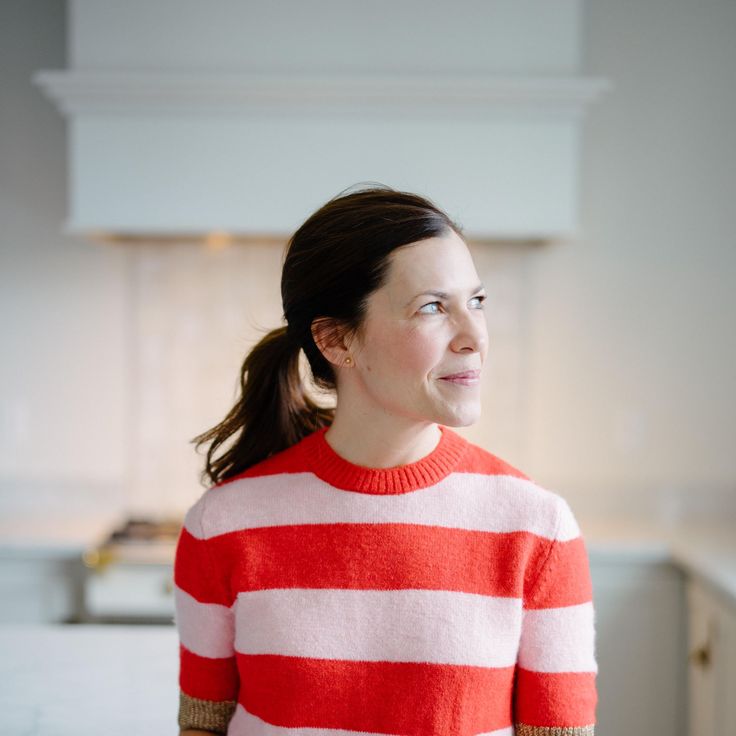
(461, 417)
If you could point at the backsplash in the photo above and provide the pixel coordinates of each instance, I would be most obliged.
(199, 310)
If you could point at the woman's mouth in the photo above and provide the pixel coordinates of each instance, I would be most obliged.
(466, 378)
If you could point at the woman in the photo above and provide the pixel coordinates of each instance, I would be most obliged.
(365, 569)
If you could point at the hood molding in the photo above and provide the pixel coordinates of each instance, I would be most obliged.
(79, 92)
(178, 128)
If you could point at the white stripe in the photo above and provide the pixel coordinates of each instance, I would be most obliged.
(244, 723)
(408, 625)
(193, 517)
(569, 528)
(474, 501)
(207, 629)
(559, 639)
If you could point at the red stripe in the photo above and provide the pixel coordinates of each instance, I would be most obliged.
(383, 697)
(389, 557)
(478, 460)
(193, 570)
(206, 678)
(555, 698)
(381, 557)
(565, 580)
(293, 459)
(385, 557)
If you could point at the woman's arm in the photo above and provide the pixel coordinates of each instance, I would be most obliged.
(208, 673)
(555, 687)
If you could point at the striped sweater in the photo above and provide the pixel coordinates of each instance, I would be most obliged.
(450, 596)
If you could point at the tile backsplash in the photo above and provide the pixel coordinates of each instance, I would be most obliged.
(199, 310)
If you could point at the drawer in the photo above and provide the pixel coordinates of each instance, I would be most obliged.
(130, 590)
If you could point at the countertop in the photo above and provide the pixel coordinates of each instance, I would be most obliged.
(703, 549)
(88, 680)
(706, 548)
(54, 535)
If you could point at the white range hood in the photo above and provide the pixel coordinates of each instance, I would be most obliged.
(172, 134)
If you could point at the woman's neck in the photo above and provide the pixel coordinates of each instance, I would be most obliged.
(382, 443)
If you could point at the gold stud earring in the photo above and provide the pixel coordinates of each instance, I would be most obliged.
(348, 360)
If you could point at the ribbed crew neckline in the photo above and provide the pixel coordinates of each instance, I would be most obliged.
(326, 464)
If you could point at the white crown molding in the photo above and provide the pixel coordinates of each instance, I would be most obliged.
(83, 92)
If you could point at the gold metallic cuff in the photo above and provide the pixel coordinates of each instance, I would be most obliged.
(209, 715)
(522, 729)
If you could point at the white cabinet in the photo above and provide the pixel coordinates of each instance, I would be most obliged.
(712, 661)
(131, 582)
(127, 592)
(640, 644)
(37, 588)
(88, 680)
(43, 587)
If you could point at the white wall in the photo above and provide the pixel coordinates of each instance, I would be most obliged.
(627, 339)
(633, 337)
(64, 302)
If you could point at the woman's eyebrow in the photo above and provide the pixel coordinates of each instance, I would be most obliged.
(441, 294)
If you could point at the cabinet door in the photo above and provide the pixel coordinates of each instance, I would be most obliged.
(130, 591)
(641, 646)
(703, 641)
(726, 685)
(712, 671)
(37, 589)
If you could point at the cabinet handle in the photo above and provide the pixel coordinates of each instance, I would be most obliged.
(702, 656)
(98, 559)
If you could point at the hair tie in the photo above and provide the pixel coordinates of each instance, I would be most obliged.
(292, 336)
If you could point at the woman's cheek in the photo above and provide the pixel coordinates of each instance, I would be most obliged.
(406, 349)
(415, 351)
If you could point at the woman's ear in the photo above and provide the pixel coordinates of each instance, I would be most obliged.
(329, 337)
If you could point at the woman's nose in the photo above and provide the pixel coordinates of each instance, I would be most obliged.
(472, 332)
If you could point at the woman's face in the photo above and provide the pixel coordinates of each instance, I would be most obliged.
(413, 338)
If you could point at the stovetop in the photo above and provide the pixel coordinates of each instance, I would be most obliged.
(137, 529)
(137, 540)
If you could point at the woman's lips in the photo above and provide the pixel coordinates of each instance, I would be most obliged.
(466, 378)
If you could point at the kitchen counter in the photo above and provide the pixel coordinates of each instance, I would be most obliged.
(88, 680)
(54, 535)
(706, 549)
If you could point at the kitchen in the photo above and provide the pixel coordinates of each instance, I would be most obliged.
(155, 158)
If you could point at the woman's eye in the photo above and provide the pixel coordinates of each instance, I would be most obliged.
(480, 299)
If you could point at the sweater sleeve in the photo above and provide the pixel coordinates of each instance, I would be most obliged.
(208, 674)
(555, 685)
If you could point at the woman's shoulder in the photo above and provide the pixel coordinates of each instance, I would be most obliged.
(217, 507)
(477, 459)
(518, 492)
(292, 459)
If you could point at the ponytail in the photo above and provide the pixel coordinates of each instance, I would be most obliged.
(272, 413)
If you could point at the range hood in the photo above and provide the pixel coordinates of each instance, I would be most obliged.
(483, 113)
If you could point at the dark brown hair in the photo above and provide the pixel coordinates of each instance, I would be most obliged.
(332, 264)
